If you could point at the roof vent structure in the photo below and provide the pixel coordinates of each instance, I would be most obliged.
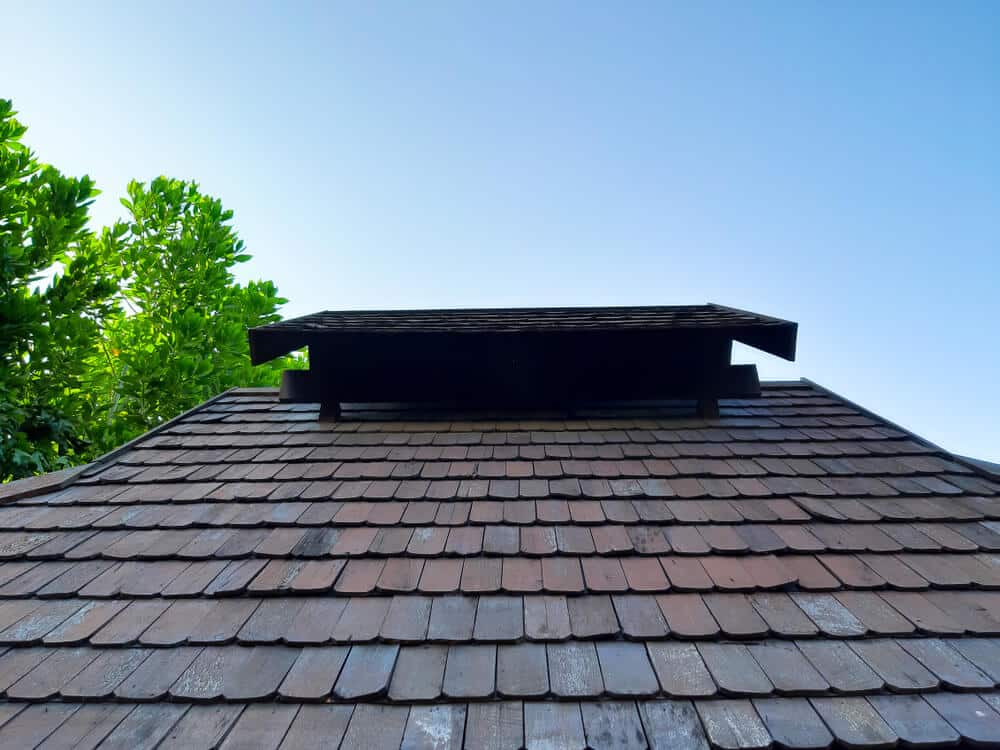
(525, 357)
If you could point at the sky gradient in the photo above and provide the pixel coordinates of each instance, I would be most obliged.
(834, 164)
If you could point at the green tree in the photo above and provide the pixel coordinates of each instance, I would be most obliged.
(105, 336)
(47, 331)
(180, 334)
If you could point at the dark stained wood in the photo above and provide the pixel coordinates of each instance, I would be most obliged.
(522, 670)
(782, 615)
(639, 616)
(407, 619)
(687, 615)
(877, 616)
(913, 720)
(672, 725)
(613, 725)
(452, 618)
(324, 724)
(204, 725)
(901, 672)
(361, 620)
(144, 726)
(855, 723)
(260, 727)
(153, 678)
(494, 726)
(546, 618)
(470, 671)
(733, 669)
(553, 725)
(680, 669)
(366, 672)
(313, 674)
(840, 666)
(100, 678)
(87, 727)
(46, 679)
(574, 670)
(314, 621)
(787, 669)
(499, 618)
(626, 669)
(970, 715)
(830, 616)
(792, 722)
(592, 616)
(126, 627)
(733, 725)
(440, 727)
(954, 670)
(419, 673)
(374, 727)
(736, 616)
(33, 725)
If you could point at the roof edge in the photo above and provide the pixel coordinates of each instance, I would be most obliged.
(974, 464)
(65, 477)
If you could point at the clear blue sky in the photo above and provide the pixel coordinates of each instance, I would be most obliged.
(837, 164)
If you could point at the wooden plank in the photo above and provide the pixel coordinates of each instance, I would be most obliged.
(680, 670)
(34, 724)
(789, 671)
(201, 726)
(672, 725)
(841, 667)
(144, 726)
(323, 723)
(154, 677)
(953, 669)
(522, 670)
(626, 669)
(855, 723)
(105, 673)
(499, 618)
(548, 726)
(419, 673)
(261, 726)
(314, 672)
(452, 618)
(733, 725)
(440, 727)
(914, 721)
(613, 725)
(366, 672)
(87, 727)
(970, 715)
(901, 672)
(574, 670)
(375, 727)
(494, 726)
(792, 722)
(734, 670)
(546, 618)
(470, 671)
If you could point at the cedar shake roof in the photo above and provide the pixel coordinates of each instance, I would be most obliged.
(794, 572)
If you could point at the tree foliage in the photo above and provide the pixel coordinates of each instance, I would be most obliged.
(103, 336)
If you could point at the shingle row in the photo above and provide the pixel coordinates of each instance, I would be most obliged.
(736, 724)
(460, 619)
(521, 462)
(474, 575)
(575, 669)
(301, 535)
